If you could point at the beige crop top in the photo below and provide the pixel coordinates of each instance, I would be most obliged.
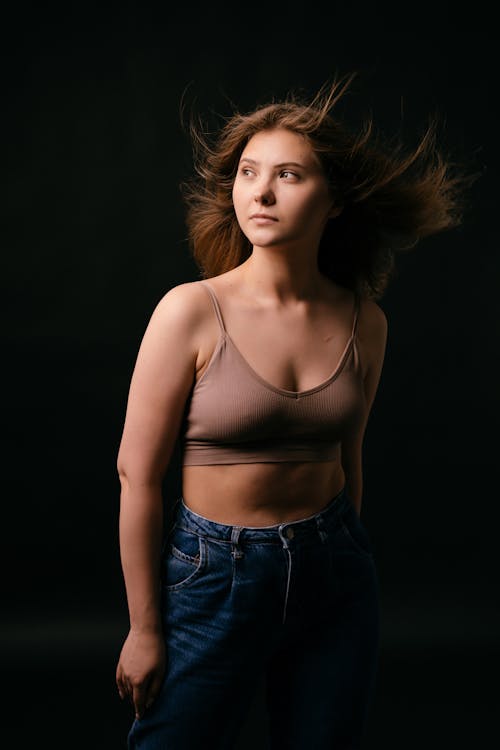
(234, 416)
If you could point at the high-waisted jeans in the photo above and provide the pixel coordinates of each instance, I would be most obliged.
(296, 604)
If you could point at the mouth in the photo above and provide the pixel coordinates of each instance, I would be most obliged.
(263, 217)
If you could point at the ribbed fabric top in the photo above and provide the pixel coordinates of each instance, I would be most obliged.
(234, 416)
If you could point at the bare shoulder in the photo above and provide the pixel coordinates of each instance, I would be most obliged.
(185, 300)
(184, 307)
(372, 319)
(372, 341)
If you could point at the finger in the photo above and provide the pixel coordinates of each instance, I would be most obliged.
(120, 684)
(125, 689)
(139, 700)
(129, 690)
(153, 691)
(121, 691)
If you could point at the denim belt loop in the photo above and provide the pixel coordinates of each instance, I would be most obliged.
(236, 550)
(320, 523)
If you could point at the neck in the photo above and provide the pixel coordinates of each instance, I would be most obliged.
(267, 273)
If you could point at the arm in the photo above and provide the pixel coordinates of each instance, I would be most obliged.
(160, 385)
(372, 339)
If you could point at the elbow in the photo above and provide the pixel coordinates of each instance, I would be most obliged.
(122, 474)
(123, 478)
(132, 475)
(122, 468)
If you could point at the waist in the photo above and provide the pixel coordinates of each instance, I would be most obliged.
(199, 453)
(327, 518)
(260, 494)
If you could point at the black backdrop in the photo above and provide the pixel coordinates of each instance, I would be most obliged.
(93, 236)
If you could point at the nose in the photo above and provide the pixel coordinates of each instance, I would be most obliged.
(265, 196)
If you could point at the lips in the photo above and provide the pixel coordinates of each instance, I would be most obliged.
(263, 217)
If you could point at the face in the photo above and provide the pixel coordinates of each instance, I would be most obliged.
(280, 193)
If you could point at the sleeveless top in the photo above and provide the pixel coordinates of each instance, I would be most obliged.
(235, 416)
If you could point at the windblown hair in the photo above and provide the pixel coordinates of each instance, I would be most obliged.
(391, 198)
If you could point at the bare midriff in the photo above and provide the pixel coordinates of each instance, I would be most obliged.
(261, 494)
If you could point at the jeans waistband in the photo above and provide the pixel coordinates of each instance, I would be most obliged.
(326, 518)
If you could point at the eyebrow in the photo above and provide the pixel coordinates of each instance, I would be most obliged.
(283, 164)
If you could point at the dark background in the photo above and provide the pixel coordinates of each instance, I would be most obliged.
(93, 237)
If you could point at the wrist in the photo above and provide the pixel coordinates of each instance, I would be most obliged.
(146, 628)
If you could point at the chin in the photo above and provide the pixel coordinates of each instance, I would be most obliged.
(260, 239)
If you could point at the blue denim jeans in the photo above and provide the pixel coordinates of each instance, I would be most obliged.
(295, 604)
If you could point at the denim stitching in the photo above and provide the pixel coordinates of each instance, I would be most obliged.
(289, 573)
(202, 564)
(358, 548)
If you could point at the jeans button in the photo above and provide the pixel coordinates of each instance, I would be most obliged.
(290, 533)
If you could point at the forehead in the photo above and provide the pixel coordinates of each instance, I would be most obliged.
(279, 145)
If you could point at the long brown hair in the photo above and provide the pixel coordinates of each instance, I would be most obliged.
(391, 198)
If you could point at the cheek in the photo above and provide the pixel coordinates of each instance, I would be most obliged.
(312, 205)
(323, 203)
(237, 196)
(238, 203)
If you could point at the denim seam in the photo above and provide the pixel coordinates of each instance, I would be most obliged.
(288, 563)
(202, 564)
(176, 552)
(217, 540)
(358, 548)
(329, 527)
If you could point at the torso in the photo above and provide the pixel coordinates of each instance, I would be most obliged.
(306, 343)
(261, 494)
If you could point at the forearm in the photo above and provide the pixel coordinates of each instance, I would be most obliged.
(140, 532)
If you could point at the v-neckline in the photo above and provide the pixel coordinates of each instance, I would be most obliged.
(224, 336)
(285, 391)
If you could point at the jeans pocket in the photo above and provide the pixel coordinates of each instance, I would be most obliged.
(356, 533)
(184, 558)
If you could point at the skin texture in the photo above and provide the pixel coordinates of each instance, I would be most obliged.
(276, 301)
(280, 176)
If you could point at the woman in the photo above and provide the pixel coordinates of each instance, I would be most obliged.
(266, 370)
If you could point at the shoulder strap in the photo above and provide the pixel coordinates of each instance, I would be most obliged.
(357, 305)
(215, 303)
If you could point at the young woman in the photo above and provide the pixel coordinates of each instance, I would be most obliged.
(266, 370)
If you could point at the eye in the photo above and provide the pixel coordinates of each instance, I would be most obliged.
(288, 174)
(246, 171)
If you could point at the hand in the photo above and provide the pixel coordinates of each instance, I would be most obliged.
(141, 668)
